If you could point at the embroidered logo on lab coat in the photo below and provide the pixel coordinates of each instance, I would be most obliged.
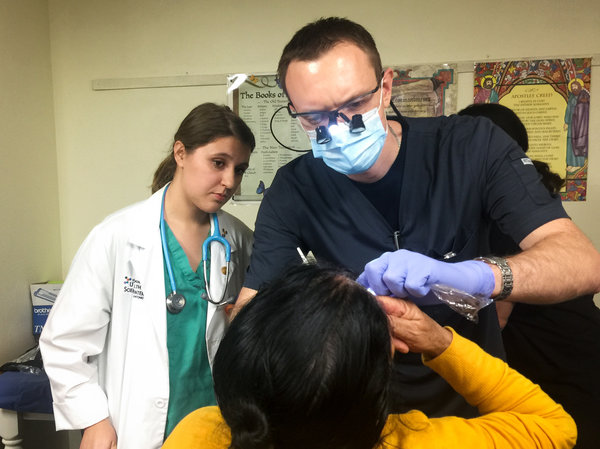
(133, 287)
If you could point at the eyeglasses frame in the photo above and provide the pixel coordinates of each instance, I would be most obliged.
(335, 113)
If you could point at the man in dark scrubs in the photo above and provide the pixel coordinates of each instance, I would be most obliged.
(410, 199)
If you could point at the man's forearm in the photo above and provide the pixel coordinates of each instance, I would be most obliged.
(558, 263)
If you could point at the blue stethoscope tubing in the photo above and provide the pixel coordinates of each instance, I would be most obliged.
(214, 237)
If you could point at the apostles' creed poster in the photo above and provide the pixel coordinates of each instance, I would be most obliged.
(552, 99)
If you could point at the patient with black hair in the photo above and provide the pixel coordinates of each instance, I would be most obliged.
(306, 364)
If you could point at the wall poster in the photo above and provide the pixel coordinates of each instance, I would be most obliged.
(552, 99)
(261, 103)
(424, 90)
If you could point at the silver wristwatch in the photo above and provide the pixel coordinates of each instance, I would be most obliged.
(507, 276)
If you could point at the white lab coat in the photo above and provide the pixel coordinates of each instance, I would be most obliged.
(105, 342)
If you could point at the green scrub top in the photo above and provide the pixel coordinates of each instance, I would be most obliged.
(190, 377)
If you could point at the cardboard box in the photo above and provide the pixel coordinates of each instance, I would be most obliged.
(42, 299)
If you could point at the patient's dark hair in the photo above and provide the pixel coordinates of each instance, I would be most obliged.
(502, 116)
(512, 125)
(306, 364)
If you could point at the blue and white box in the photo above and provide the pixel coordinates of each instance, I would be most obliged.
(42, 299)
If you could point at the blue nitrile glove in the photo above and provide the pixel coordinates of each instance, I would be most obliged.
(405, 273)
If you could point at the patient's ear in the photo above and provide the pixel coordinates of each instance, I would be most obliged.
(179, 152)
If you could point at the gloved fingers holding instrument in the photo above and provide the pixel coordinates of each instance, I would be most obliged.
(406, 273)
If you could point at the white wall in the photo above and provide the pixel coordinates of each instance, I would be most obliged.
(29, 224)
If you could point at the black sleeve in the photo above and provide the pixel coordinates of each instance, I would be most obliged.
(275, 242)
(514, 196)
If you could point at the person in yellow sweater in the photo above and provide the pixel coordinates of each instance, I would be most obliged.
(306, 364)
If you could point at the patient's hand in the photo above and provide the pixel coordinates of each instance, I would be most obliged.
(245, 296)
(412, 330)
(101, 435)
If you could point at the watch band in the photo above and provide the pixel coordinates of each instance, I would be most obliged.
(506, 272)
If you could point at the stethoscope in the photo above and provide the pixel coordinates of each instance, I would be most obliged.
(176, 301)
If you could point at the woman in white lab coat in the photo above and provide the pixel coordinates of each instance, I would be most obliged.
(121, 365)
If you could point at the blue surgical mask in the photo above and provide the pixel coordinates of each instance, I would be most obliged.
(349, 153)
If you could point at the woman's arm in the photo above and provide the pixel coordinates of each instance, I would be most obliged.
(101, 435)
(515, 412)
(75, 334)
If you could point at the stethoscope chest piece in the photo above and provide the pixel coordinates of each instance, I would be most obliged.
(175, 302)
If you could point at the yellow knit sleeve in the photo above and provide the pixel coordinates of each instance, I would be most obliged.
(203, 428)
(515, 412)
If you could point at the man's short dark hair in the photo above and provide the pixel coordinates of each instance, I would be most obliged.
(318, 37)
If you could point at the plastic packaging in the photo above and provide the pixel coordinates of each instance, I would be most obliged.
(29, 362)
(462, 302)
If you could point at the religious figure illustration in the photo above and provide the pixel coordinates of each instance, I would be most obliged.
(487, 93)
(552, 97)
(576, 124)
